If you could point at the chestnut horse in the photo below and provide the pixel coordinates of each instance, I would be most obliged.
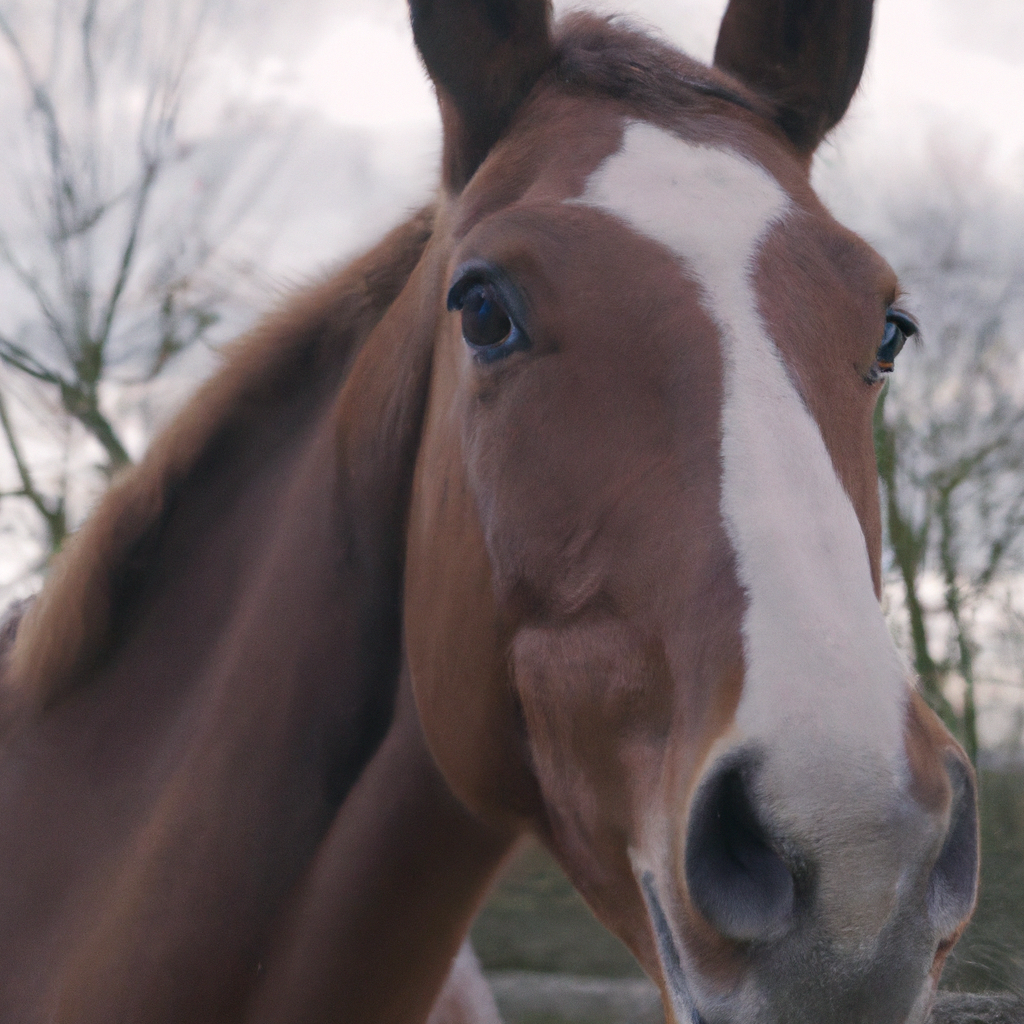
(555, 513)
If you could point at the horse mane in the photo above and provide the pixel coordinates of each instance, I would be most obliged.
(71, 626)
(607, 56)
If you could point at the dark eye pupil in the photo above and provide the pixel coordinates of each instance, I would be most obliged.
(893, 341)
(898, 327)
(484, 322)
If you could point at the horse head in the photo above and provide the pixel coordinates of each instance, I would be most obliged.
(643, 566)
(556, 512)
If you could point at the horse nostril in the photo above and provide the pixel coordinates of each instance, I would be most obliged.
(954, 880)
(734, 876)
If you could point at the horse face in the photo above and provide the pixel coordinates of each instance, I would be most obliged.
(643, 559)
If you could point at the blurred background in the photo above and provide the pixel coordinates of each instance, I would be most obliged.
(169, 171)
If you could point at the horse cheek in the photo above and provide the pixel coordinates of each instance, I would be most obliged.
(454, 640)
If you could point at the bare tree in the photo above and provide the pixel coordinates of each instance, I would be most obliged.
(950, 432)
(115, 217)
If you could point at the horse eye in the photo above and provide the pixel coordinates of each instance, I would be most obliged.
(898, 327)
(485, 324)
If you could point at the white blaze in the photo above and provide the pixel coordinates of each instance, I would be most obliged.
(821, 668)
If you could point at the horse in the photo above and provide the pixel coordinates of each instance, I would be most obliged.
(556, 513)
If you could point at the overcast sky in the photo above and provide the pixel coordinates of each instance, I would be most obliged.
(941, 73)
(952, 64)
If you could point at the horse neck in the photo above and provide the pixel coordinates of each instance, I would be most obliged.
(251, 685)
(372, 929)
(387, 901)
(230, 764)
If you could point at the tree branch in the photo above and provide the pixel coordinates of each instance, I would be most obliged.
(34, 285)
(85, 408)
(908, 547)
(954, 606)
(88, 63)
(55, 517)
(23, 361)
(63, 186)
(78, 401)
(127, 254)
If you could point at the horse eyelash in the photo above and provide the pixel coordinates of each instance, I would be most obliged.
(917, 337)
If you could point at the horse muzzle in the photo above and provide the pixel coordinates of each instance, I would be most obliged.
(824, 896)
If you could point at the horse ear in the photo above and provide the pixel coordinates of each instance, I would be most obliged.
(805, 55)
(484, 56)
